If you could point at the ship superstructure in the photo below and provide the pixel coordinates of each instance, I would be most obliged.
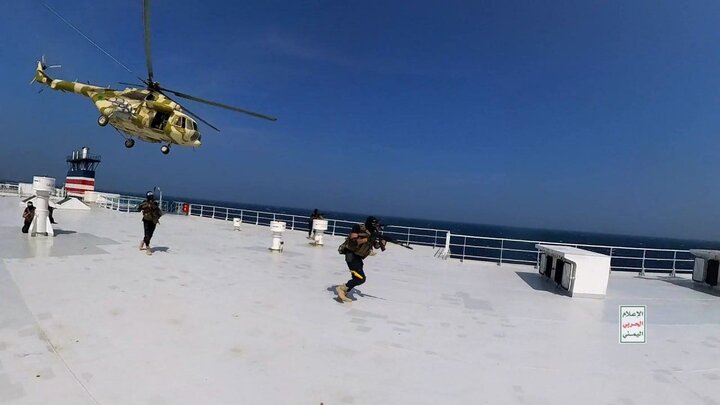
(81, 172)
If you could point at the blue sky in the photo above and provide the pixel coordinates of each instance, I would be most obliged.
(593, 116)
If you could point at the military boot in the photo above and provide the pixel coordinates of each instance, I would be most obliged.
(342, 293)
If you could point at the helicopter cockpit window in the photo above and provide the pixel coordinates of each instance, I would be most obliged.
(194, 125)
(180, 121)
(189, 124)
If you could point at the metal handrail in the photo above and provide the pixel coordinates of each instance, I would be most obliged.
(6, 188)
(9, 188)
(648, 261)
(338, 227)
(506, 251)
(567, 244)
(125, 203)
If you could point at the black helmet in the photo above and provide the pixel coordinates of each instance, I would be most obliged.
(149, 195)
(371, 223)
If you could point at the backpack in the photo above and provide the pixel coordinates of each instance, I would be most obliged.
(342, 249)
(350, 246)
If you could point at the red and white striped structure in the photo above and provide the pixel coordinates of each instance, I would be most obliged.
(76, 186)
(81, 173)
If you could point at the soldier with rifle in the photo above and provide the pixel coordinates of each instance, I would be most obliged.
(151, 214)
(359, 244)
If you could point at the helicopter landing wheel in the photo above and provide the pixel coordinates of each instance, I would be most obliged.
(103, 120)
(165, 149)
(129, 143)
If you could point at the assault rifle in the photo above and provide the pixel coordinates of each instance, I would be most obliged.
(377, 236)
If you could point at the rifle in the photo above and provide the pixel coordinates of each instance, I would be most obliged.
(377, 236)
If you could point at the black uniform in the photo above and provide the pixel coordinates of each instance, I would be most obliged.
(151, 217)
(50, 215)
(314, 215)
(355, 262)
(28, 216)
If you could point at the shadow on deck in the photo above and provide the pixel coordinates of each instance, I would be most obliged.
(540, 283)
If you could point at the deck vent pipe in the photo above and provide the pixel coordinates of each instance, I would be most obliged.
(319, 226)
(277, 229)
(42, 186)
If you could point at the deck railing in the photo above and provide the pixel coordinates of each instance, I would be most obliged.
(126, 203)
(14, 189)
(462, 247)
(8, 188)
(337, 227)
(520, 251)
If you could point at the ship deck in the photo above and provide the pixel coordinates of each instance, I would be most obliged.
(214, 317)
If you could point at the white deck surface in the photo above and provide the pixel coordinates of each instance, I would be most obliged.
(213, 317)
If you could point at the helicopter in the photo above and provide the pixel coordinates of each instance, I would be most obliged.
(144, 111)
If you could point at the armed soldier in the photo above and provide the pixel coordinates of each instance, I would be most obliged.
(359, 244)
(357, 247)
(315, 215)
(150, 217)
(28, 216)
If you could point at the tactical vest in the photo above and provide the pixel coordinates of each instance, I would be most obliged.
(151, 212)
(351, 245)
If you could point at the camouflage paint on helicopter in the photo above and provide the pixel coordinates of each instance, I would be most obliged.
(135, 112)
(147, 114)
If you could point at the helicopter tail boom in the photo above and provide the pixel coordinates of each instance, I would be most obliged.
(42, 77)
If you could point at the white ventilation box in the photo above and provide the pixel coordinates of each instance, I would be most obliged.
(707, 264)
(581, 272)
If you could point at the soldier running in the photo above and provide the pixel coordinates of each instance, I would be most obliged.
(357, 247)
(151, 214)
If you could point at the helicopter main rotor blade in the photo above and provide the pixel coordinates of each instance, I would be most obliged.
(86, 37)
(146, 24)
(197, 117)
(216, 104)
(190, 112)
(133, 84)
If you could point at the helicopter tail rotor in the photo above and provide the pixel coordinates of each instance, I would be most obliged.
(44, 64)
(40, 75)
